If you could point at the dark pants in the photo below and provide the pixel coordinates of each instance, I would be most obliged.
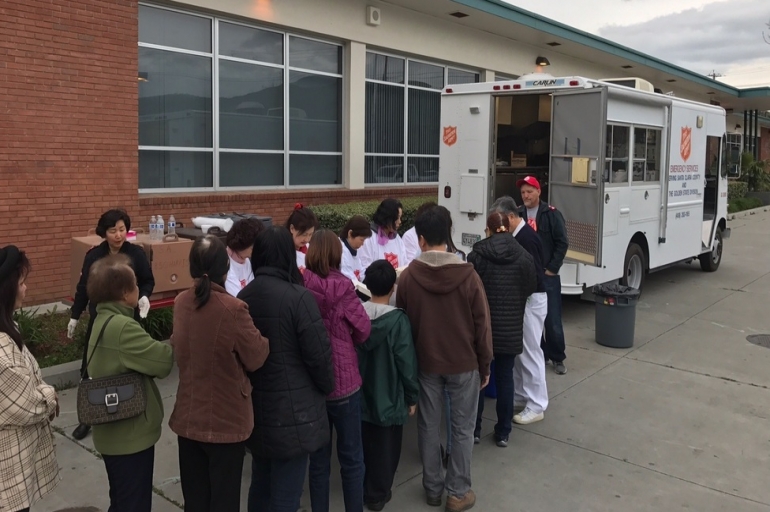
(130, 478)
(504, 384)
(211, 475)
(553, 334)
(345, 418)
(382, 452)
(276, 484)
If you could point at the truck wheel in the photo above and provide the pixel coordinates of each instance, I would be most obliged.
(635, 266)
(709, 261)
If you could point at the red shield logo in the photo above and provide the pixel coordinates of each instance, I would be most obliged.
(685, 144)
(392, 258)
(450, 135)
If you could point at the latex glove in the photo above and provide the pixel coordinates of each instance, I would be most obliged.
(71, 328)
(144, 307)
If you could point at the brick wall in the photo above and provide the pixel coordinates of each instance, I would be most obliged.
(277, 205)
(68, 135)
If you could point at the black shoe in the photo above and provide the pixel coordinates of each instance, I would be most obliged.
(379, 505)
(81, 432)
(433, 501)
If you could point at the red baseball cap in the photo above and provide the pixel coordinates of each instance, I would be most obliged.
(529, 180)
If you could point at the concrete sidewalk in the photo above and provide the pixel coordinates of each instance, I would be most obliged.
(680, 421)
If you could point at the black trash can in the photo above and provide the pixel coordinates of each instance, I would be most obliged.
(615, 315)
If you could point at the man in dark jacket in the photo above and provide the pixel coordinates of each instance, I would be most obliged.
(447, 308)
(508, 274)
(388, 366)
(530, 393)
(550, 226)
(289, 390)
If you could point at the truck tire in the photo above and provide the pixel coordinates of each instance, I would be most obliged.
(634, 267)
(709, 261)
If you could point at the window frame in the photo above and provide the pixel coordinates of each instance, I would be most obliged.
(406, 155)
(215, 150)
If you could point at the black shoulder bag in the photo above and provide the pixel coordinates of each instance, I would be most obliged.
(110, 399)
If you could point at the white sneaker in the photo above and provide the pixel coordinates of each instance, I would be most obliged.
(528, 416)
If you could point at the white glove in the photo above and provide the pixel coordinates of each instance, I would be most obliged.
(144, 307)
(71, 328)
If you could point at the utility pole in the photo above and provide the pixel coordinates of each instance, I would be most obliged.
(714, 75)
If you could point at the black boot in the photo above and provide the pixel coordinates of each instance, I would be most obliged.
(81, 432)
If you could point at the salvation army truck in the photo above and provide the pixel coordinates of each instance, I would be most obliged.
(640, 177)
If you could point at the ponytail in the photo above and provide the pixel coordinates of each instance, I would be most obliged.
(208, 262)
(202, 291)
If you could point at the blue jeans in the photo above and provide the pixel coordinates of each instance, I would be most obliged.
(553, 334)
(345, 418)
(276, 484)
(504, 406)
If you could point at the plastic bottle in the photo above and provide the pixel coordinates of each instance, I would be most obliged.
(171, 225)
(153, 227)
(161, 227)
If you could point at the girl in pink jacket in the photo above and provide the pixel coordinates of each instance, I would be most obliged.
(348, 325)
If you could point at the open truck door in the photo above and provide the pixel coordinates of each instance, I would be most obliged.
(576, 185)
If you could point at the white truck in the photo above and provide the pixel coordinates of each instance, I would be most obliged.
(639, 176)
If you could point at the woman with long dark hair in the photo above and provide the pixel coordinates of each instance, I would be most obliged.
(290, 389)
(240, 243)
(113, 226)
(348, 325)
(28, 468)
(301, 224)
(385, 242)
(215, 344)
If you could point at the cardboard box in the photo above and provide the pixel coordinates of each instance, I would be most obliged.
(518, 161)
(80, 245)
(170, 262)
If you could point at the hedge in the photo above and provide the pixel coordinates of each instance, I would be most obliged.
(334, 216)
(736, 190)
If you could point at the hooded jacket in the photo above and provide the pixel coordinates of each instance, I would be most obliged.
(509, 276)
(347, 325)
(289, 390)
(447, 308)
(388, 366)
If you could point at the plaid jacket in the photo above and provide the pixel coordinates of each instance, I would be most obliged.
(28, 468)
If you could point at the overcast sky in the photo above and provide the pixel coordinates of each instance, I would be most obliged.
(700, 35)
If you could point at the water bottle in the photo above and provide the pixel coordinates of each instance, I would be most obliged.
(171, 225)
(153, 227)
(161, 227)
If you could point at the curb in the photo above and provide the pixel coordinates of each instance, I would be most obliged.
(62, 376)
(746, 213)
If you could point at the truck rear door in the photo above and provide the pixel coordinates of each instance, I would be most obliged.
(576, 188)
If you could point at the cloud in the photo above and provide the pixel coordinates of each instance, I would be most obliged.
(719, 36)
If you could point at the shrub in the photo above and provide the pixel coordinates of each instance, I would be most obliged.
(45, 335)
(744, 203)
(736, 190)
(334, 216)
(756, 175)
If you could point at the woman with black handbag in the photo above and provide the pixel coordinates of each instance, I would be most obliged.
(120, 346)
(113, 226)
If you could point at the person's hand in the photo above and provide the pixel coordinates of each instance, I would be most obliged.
(412, 410)
(484, 382)
(55, 414)
(71, 327)
(144, 307)
(549, 273)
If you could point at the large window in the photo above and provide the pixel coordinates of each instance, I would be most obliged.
(732, 155)
(222, 104)
(646, 154)
(403, 117)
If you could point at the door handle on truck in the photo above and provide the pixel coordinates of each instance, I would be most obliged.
(606, 199)
(625, 210)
